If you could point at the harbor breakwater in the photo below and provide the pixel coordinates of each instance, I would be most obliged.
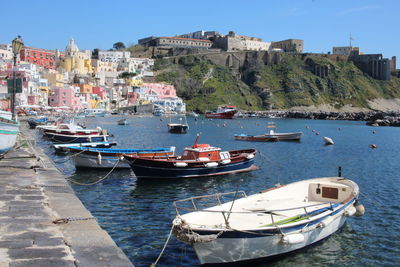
(373, 118)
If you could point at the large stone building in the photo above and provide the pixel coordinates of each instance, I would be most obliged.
(373, 64)
(289, 45)
(235, 42)
(175, 42)
(344, 50)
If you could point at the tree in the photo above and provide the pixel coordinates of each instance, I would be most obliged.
(126, 75)
(119, 46)
(95, 53)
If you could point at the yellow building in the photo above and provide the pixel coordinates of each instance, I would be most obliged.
(132, 82)
(55, 79)
(76, 61)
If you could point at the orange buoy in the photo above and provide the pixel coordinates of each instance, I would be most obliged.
(373, 146)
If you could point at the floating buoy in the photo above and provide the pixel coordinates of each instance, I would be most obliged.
(328, 141)
(313, 131)
(307, 127)
(317, 133)
(373, 146)
(338, 128)
(373, 132)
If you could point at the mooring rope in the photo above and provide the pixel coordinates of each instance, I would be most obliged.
(98, 181)
(165, 245)
(71, 156)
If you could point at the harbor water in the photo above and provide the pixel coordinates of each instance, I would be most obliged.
(138, 214)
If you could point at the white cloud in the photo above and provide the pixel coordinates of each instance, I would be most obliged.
(357, 10)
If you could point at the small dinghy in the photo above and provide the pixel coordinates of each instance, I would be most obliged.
(273, 222)
(122, 121)
(328, 141)
(257, 138)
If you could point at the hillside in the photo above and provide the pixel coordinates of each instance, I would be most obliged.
(290, 83)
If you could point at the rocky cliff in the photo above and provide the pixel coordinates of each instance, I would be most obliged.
(261, 80)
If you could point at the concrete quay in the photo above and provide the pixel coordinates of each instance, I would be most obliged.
(33, 195)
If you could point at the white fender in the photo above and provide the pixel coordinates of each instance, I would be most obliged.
(180, 164)
(98, 160)
(350, 211)
(211, 164)
(293, 239)
(360, 210)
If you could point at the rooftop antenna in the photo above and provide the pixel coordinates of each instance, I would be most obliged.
(351, 39)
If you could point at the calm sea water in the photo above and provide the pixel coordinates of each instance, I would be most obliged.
(138, 214)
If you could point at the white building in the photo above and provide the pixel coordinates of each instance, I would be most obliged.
(114, 56)
(6, 53)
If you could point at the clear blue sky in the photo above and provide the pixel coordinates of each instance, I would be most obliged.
(322, 24)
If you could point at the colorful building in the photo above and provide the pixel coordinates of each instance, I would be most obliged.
(67, 96)
(40, 57)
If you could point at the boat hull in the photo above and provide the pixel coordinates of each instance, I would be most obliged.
(148, 171)
(89, 157)
(107, 162)
(285, 136)
(181, 129)
(76, 138)
(256, 138)
(9, 131)
(220, 115)
(227, 250)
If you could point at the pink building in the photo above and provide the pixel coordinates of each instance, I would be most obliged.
(100, 91)
(162, 90)
(133, 97)
(65, 97)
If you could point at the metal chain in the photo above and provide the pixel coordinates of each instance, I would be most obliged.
(72, 219)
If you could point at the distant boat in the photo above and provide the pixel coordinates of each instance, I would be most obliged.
(178, 124)
(9, 130)
(258, 138)
(158, 112)
(284, 136)
(223, 112)
(198, 160)
(271, 223)
(122, 121)
(86, 157)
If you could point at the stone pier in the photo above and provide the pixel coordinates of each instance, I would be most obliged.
(33, 196)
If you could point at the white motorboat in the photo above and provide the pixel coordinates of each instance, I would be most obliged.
(9, 130)
(284, 136)
(271, 223)
(122, 121)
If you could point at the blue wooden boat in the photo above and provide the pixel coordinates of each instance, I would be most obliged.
(88, 157)
(198, 160)
(63, 148)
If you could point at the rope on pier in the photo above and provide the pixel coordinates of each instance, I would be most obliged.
(98, 181)
(72, 219)
(165, 245)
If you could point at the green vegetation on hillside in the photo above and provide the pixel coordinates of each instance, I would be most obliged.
(204, 85)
